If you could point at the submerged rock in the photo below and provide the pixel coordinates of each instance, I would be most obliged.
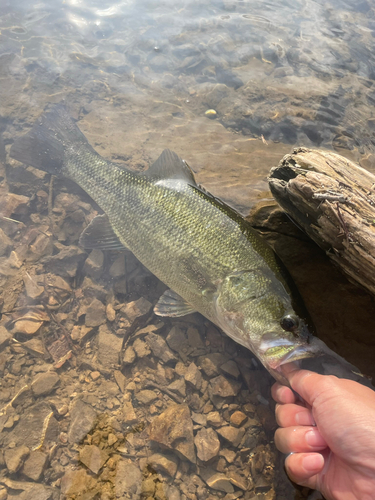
(207, 444)
(83, 418)
(173, 429)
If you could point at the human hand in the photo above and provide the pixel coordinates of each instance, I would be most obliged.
(330, 441)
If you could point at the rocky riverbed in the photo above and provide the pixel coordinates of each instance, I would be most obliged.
(99, 397)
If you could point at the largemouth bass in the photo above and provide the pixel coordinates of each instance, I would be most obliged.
(205, 252)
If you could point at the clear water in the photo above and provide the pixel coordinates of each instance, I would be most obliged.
(139, 76)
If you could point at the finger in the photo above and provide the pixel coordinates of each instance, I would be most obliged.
(282, 394)
(309, 385)
(302, 468)
(290, 415)
(299, 439)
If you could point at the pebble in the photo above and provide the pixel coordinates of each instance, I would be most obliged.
(176, 339)
(193, 376)
(110, 312)
(229, 455)
(166, 464)
(109, 346)
(214, 418)
(211, 363)
(117, 268)
(211, 113)
(141, 348)
(93, 457)
(231, 434)
(5, 337)
(238, 418)
(136, 309)
(217, 481)
(83, 418)
(178, 386)
(3, 493)
(95, 314)
(45, 383)
(207, 444)
(129, 356)
(238, 481)
(173, 429)
(223, 387)
(93, 265)
(33, 289)
(95, 375)
(5, 243)
(230, 368)
(146, 397)
(14, 458)
(129, 416)
(35, 464)
(128, 479)
(160, 348)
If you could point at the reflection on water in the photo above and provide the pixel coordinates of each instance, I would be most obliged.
(99, 398)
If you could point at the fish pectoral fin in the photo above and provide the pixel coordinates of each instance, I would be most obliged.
(173, 305)
(99, 234)
(170, 166)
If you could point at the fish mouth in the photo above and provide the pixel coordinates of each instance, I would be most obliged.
(286, 352)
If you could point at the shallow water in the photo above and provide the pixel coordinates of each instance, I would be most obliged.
(139, 77)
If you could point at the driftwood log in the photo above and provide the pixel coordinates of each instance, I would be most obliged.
(333, 200)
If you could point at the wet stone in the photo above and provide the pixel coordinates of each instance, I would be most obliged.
(166, 464)
(128, 479)
(5, 243)
(211, 363)
(193, 376)
(160, 348)
(94, 264)
(214, 419)
(146, 397)
(95, 314)
(45, 383)
(129, 356)
(223, 387)
(5, 337)
(217, 480)
(238, 481)
(176, 339)
(14, 458)
(83, 418)
(136, 309)
(229, 455)
(173, 429)
(93, 457)
(141, 348)
(178, 386)
(76, 482)
(231, 434)
(230, 368)
(129, 416)
(238, 418)
(110, 312)
(117, 268)
(207, 444)
(109, 347)
(35, 464)
(262, 485)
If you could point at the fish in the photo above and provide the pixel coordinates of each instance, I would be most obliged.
(210, 258)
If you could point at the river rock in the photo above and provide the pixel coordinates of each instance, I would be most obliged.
(211, 363)
(117, 268)
(223, 387)
(238, 418)
(35, 464)
(93, 457)
(94, 264)
(173, 429)
(76, 482)
(176, 339)
(5, 243)
(160, 348)
(146, 397)
(83, 418)
(214, 418)
(5, 337)
(128, 479)
(129, 356)
(178, 386)
(166, 464)
(109, 347)
(14, 458)
(129, 416)
(193, 376)
(95, 314)
(231, 434)
(230, 368)
(207, 444)
(45, 383)
(136, 309)
(217, 480)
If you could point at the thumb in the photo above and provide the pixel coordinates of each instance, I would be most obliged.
(308, 385)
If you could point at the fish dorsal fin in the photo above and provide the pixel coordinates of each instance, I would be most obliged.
(173, 305)
(99, 234)
(170, 166)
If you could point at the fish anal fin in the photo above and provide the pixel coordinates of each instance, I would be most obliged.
(99, 234)
(173, 305)
(170, 166)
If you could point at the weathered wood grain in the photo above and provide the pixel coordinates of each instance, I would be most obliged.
(333, 200)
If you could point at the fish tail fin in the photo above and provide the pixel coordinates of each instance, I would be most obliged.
(47, 145)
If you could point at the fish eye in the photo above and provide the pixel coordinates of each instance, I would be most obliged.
(289, 323)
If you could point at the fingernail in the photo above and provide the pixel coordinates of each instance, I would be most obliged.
(313, 462)
(304, 418)
(313, 438)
